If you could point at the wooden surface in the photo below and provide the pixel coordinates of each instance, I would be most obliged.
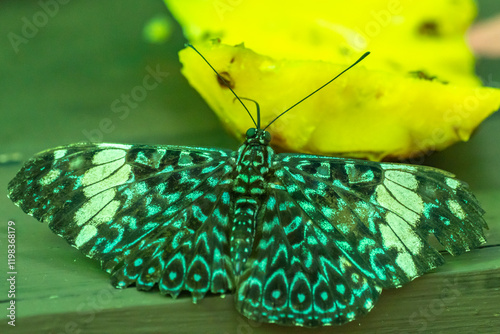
(63, 81)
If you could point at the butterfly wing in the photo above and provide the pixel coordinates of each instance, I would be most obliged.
(300, 274)
(150, 214)
(337, 231)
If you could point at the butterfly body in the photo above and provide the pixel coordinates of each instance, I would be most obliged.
(299, 239)
(253, 168)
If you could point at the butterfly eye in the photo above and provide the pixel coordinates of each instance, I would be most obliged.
(267, 136)
(251, 132)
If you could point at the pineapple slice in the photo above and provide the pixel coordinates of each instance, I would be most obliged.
(415, 93)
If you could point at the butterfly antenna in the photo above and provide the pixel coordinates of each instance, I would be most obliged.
(257, 125)
(256, 106)
(308, 96)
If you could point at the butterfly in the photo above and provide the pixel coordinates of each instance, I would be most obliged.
(298, 239)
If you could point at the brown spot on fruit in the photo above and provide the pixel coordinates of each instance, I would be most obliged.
(226, 80)
(429, 28)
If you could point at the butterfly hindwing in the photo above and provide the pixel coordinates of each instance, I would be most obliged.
(300, 273)
(150, 214)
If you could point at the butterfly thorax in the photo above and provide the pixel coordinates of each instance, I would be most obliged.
(252, 166)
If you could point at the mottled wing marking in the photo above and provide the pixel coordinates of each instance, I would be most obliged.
(335, 232)
(387, 207)
(315, 244)
(302, 271)
(149, 214)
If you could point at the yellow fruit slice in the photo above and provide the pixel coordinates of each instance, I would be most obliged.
(415, 93)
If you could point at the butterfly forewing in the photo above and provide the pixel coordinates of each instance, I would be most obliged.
(386, 211)
(149, 214)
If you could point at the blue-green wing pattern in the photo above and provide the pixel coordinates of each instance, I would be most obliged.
(327, 236)
(334, 232)
(150, 214)
(302, 272)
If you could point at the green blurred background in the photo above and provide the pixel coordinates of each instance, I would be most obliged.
(62, 82)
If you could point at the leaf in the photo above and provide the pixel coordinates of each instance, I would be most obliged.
(415, 93)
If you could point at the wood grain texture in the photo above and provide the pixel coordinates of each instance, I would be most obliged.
(64, 80)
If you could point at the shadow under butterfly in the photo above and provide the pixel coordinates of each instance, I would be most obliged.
(299, 239)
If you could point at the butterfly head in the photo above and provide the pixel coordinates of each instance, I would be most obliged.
(258, 136)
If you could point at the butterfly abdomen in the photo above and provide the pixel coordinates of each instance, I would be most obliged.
(242, 233)
(253, 165)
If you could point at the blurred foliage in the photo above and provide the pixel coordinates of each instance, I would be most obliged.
(158, 29)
